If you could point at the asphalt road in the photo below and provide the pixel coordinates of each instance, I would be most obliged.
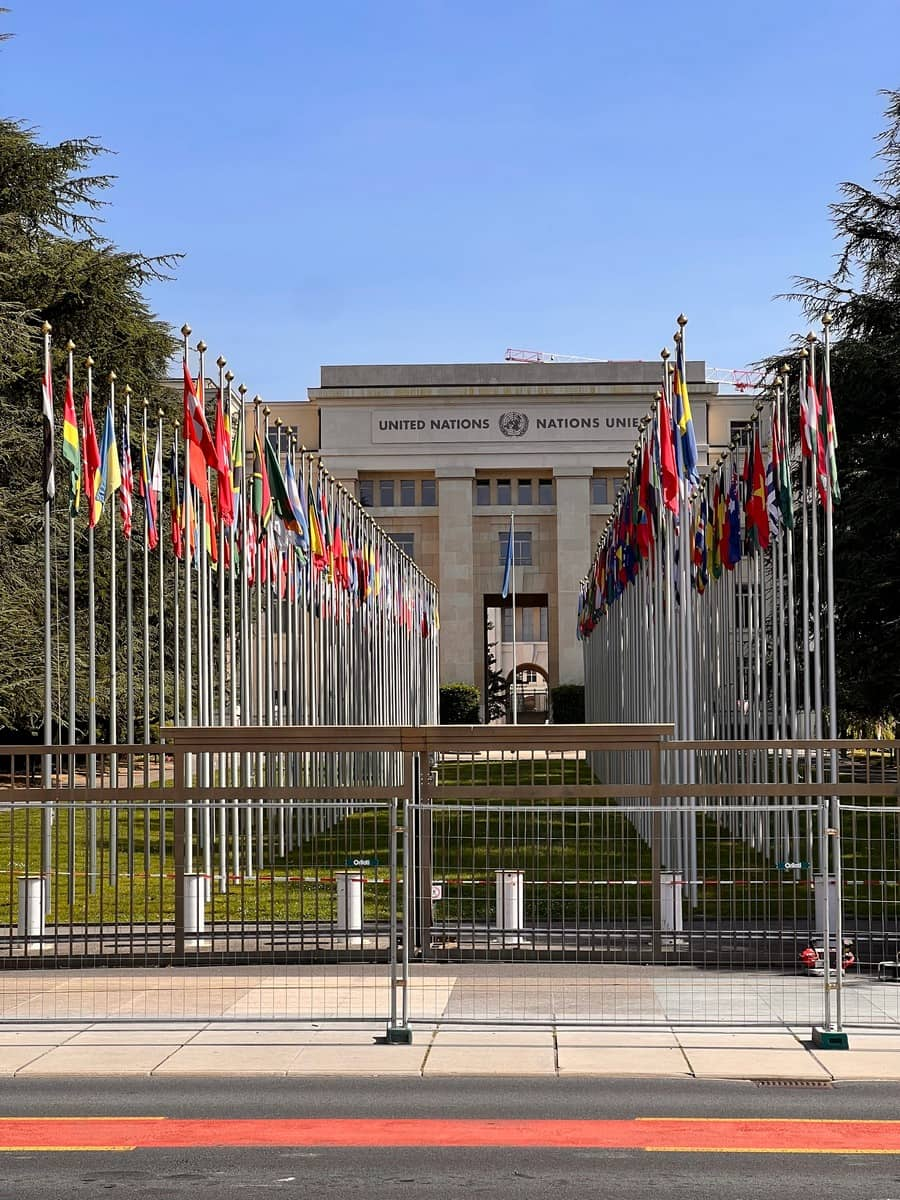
(390, 1171)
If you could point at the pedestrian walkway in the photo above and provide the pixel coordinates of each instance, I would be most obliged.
(776, 1055)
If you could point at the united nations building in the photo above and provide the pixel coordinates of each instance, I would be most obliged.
(441, 454)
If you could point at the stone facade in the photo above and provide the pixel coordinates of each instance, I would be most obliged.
(441, 454)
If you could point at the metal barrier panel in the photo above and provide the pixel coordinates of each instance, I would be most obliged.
(868, 889)
(128, 894)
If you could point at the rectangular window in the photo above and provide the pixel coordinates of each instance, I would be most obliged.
(386, 493)
(545, 491)
(407, 493)
(521, 548)
(525, 492)
(482, 492)
(598, 490)
(531, 624)
(405, 541)
(429, 492)
(737, 430)
(504, 492)
(366, 492)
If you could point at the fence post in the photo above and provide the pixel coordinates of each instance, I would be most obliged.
(656, 832)
(398, 1031)
(178, 835)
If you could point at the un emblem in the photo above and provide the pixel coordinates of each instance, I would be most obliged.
(513, 424)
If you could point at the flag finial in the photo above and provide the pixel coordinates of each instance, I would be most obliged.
(229, 375)
(70, 345)
(664, 353)
(88, 362)
(242, 388)
(804, 354)
(682, 320)
(677, 338)
(112, 377)
(127, 389)
(46, 326)
(185, 330)
(201, 346)
(220, 362)
(810, 337)
(827, 318)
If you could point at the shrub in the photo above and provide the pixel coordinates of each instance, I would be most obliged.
(459, 704)
(567, 702)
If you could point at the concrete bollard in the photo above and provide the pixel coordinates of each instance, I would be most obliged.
(349, 901)
(671, 915)
(510, 892)
(32, 906)
(194, 902)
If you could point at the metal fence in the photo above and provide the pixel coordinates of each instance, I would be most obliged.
(562, 874)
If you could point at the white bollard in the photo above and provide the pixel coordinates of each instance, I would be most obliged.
(349, 901)
(671, 909)
(510, 891)
(825, 895)
(32, 906)
(194, 901)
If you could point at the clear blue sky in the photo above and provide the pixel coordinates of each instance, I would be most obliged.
(436, 180)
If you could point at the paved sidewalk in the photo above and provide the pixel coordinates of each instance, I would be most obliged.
(305, 1048)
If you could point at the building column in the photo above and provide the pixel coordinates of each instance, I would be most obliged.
(573, 554)
(456, 574)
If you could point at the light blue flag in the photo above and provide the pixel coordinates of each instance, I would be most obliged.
(508, 568)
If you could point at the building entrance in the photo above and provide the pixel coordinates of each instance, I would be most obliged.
(516, 645)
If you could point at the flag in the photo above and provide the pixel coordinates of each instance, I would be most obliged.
(110, 472)
(733, 523)
(782, 470)
(316, 534)
(667, 469)
(831, 445)
(225, 486)
(681, 413)
(151, 525)
(70, 448)
(126, 491)
(809, 417)
(48, 473)
(176, 493)
(196, 429)
(508, 566)
(757, 515)
(282, 501)
(718, 527)
(91, 463)
(262, 495)
(298, 510)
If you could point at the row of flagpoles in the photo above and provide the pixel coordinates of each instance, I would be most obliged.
(256, 590)
(709, 603)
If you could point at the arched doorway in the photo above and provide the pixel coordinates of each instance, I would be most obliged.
(532, 694)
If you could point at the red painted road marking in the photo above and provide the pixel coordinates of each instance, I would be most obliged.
(650, 1133)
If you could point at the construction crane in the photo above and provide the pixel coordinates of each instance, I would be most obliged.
(742, 379)
(544, 356)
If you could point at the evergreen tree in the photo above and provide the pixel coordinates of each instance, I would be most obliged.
(55, 266)
(863, 294)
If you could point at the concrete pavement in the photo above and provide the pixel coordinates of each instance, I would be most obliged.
(227, 1049)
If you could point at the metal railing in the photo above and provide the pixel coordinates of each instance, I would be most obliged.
(550, 873)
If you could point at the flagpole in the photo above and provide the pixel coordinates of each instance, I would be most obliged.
(187, 518)
(158, 457)
(113, 636)
(129, 616)
(222, 648)
(512, 538)
(836, 867)
(245, 624)
(70, 392)
(92, 661)
(147, 481)
(232, 635)
(49, 488)
(203, 631)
